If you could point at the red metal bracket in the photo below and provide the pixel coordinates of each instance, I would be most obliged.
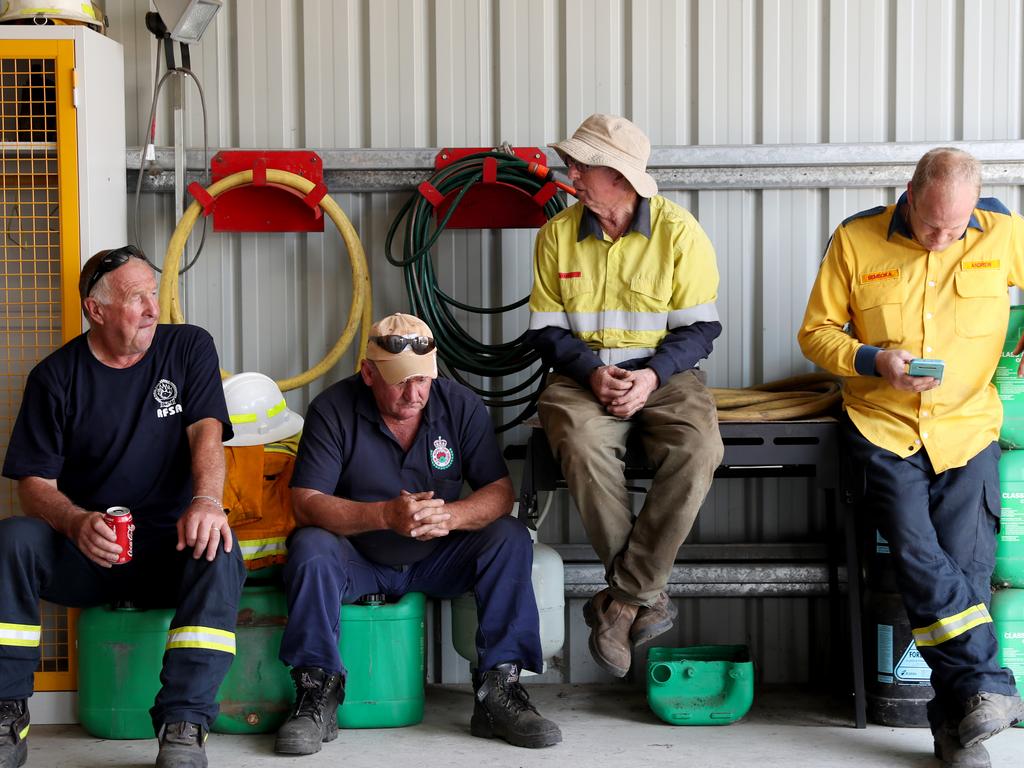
(490, 204)
(204, 198)
(264, 206)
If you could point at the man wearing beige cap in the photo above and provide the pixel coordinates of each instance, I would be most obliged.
(622, 311)
(377, 495)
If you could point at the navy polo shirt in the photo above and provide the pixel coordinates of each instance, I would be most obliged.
(348, 451)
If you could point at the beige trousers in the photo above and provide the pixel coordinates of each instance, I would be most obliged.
(679, 429)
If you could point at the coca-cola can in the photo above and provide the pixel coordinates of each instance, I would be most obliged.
(119, 520)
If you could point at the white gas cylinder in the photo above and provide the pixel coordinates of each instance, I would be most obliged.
(548, 578)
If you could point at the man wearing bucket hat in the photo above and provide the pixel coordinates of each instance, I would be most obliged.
(377, 495)
(927, 277)
(623, 310)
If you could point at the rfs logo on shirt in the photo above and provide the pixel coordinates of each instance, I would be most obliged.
(166, 395)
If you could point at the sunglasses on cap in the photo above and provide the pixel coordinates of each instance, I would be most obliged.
(395, 344)
(110, 262)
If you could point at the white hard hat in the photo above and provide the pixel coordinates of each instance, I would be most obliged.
(75, 11)
(259, 413)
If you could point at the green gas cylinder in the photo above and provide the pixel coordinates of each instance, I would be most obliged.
(1009, 386)
(120, 652)
(1008, 623)
(382, 647)
(1009, 570)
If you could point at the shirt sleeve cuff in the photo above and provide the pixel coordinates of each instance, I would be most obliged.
(864, 361)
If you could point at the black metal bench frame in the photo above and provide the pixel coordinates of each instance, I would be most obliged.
(763, 450)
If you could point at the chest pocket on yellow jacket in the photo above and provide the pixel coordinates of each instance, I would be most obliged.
(576, 294)
(981, 303)
(649, 293)
(881, 313)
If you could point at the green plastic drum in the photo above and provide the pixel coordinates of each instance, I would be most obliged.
(700, 685)
(1008, 621)
(1009, 570)
(1009, 386)
(257, 693)
(382, 646)
(119, 657)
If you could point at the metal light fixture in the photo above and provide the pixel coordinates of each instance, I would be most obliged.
(187, 20)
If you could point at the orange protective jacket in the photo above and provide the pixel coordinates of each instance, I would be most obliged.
(258, 499)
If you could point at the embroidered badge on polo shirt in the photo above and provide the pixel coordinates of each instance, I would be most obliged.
(874, 277)
(569, 275)
(166, 395)
(984, 264)
(441, 456)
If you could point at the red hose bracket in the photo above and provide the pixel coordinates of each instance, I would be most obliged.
(204, 198)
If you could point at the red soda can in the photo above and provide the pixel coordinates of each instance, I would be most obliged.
(119, 520)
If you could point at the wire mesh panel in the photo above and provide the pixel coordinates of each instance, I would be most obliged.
(37, 172)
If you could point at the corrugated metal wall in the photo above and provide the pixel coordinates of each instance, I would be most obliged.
(349, 74)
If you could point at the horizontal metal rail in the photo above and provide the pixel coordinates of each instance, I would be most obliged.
(753, 167)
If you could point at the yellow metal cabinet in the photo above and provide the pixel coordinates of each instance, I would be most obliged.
(62, 197)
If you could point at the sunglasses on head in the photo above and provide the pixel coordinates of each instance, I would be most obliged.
(110, 262)
(395, 344)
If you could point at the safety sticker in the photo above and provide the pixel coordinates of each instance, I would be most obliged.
(912, 668)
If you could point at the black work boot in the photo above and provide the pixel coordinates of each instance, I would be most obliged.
(13, 731)
(182, 745)
(502, 708)
(315, 719)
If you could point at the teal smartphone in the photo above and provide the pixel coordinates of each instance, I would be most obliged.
(920, 366)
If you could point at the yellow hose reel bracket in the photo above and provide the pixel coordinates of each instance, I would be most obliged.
(360, 310)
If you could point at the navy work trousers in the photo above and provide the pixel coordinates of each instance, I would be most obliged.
(941, 530)
(37, 562)
(325, 570)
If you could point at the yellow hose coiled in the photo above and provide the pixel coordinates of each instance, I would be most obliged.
(798, 397)
(170, 303)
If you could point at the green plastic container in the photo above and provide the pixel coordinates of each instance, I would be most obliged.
(120, 653)
(1009, 570)
(700, 685)
(1009, 386)
(257, 693)
(1008, 621)
(382, 647)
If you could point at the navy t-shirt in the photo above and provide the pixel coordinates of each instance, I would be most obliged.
(346, 450)
(116, 436)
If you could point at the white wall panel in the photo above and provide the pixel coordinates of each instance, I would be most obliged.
(357, 74)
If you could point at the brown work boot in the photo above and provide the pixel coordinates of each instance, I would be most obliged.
(610, 621)
(653, 620)
(952, 754)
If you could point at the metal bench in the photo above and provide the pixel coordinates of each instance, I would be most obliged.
(752, 449)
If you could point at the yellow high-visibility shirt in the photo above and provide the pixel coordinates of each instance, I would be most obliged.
(623, 296)
(951, 305)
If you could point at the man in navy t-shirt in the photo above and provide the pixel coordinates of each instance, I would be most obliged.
(377, 495)
(130, 413)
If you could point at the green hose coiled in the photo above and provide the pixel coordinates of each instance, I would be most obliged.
(462, 354)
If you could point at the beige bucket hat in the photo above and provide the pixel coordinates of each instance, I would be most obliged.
(613, 142)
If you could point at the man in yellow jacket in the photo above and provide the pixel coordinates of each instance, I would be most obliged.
(927, 278)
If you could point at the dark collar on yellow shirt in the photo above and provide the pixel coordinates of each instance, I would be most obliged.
(900, 225)
(641, 223)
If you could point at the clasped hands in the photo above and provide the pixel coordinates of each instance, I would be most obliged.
(622, 392)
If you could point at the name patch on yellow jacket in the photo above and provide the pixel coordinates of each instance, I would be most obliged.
(874, 277)
(987, 264)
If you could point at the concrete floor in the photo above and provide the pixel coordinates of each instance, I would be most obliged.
(601, 726)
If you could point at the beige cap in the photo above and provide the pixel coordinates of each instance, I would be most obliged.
(397, 368)
(616, 143)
